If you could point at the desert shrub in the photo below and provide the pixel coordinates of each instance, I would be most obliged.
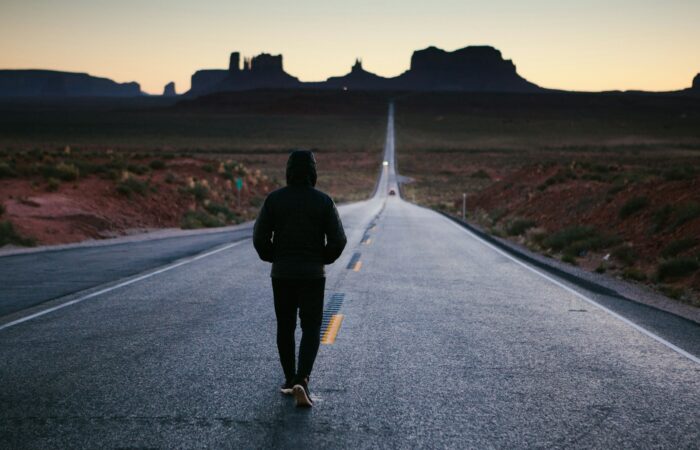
(679, 173)
(116, 163)
(632, 273)
(602, 168)
(481, 174)
(569, 259)
(625, 254)
(200, 219)
(601, 268)
(35, 154)
(6, 171)
(200, 191)
(516, 227)
(497, 214)
(87, 167)
(138, 169)
(536, 235)
(157, 164)
(677, 268)
(2, 209)
(560, 177)
(220, 210)
(131, 185)
(677, 247)
(61, 171)
(580, 248)
(52, 184)
(170, 178)
(101, 169)
(497, 231)
(636, 176)
(672, 291)
(8, 235)
(686, 212)
(562, 238)
(661, 217)
(616, 187)
(577, 240)
(633, 206)
(257, 201)
(208, 168)
(112, 174)
(593, 177)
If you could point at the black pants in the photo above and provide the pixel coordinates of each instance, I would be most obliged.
(305, 295)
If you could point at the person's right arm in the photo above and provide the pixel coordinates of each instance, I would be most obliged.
(335, 236)
(262, 233)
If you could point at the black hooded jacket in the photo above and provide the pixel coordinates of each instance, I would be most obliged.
(298, 229)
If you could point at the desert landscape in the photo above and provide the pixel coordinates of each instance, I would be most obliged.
(313, 224)
(608, 182)
(105, 169)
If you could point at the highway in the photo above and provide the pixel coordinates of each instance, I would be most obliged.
(439, 340)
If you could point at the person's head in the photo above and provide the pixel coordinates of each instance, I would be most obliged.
(301, 168)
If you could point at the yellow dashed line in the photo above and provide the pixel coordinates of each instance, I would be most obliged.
(332, 330)
(368, 241)
(358, 266)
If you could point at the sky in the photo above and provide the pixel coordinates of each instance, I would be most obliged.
(564, 44)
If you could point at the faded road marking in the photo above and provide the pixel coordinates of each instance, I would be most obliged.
(358, 266)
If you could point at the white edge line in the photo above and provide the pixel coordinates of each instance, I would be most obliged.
(120, 285)
(580, 295)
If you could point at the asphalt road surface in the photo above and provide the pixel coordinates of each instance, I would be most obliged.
(444, 342)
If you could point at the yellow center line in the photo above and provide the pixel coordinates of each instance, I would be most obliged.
(332, 330)
(368, 241)
(358, 266)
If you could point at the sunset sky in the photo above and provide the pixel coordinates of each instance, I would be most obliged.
(578, 45)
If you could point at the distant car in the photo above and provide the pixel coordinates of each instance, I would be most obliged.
(392, 192)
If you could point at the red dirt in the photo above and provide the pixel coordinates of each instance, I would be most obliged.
(578, 201)
(91, 207)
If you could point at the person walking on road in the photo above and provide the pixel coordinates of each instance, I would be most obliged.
(299, 231)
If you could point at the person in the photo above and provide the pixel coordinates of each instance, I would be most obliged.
(299, 231)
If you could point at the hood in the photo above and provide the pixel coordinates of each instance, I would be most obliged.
(301, 168)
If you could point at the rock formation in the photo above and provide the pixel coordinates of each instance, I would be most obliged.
(262, 71)
(358, 78)
(169, 90)
(468, 69)
(476, 68)
(696, 83)
(206, 81)
(50, 83)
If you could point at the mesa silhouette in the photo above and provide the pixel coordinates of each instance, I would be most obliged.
(469, 69)
(53, 83)
(473, 68)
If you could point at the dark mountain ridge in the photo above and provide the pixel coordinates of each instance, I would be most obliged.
(474, 68)
(52, 83)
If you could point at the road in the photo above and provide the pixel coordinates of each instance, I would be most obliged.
(444, 342)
